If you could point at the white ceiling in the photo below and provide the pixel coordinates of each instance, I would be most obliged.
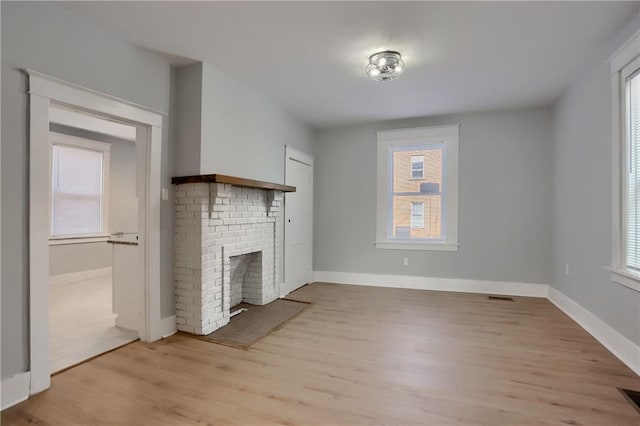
(309, 57)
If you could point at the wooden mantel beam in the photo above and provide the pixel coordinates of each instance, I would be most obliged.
(232, 180)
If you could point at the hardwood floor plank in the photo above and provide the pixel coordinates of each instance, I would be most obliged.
(358, 355)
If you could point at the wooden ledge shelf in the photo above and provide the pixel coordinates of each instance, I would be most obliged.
(232, 180)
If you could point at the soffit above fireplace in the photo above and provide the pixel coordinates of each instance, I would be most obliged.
(232, 180)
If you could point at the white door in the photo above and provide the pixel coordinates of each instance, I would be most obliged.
(298, 217)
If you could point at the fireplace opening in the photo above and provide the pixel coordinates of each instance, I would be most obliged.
(246, 279)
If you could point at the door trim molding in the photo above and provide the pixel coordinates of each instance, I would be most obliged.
(44, 91)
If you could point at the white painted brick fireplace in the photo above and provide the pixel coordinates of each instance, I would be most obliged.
(219, 225)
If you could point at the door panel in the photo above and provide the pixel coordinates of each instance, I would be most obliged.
(298, 229)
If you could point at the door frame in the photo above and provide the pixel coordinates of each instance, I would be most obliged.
(43, 91)
(295, 154)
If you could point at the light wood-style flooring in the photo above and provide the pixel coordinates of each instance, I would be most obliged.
(358, 355)
(82, 323)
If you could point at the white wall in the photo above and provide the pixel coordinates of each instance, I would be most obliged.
(504, 203)
(42, 37)
(582, 198)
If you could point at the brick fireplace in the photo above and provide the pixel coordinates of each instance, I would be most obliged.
(227, 247)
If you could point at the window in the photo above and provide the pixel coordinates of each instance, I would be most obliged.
(417, 215)
(418, 189)
(625, 79)
(79, 188)
(417, 167)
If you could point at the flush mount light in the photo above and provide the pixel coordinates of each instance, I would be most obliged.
(385, 65)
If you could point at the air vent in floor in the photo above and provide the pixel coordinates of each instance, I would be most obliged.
(632, 396)
(502, 298)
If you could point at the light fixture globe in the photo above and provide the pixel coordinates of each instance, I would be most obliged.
(385, 65)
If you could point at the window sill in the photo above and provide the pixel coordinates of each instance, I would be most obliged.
(625, 278)
(79, 240)
(413, 245)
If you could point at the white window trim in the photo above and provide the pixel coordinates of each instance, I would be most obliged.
(105, 148)
(621, 59)
(449, 135)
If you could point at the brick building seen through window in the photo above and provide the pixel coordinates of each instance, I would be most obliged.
(417, 192)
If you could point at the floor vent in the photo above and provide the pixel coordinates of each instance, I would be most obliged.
(632, 396)
(502, 298)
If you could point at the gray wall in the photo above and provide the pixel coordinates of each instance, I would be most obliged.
(582, 199)
(244, 133)
(186, 118)
(224, 127)
(43, 37)
(123, 207)
(504, 202)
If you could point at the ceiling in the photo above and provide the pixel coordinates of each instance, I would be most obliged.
(309, 57)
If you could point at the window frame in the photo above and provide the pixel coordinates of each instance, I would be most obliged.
(60, 139)
(433, 135)
(624, 63)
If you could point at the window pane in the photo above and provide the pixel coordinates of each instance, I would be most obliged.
(76, 191)
(416, 205)
(430, 212)
(633, 177)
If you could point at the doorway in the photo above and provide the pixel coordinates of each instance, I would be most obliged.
(96, 300)
(46, 92)
(298, 226)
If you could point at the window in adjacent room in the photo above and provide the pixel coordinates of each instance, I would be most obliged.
(417, 188)
(79, 187)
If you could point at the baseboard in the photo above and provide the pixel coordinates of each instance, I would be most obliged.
(73, 277)
(15, 389)
(431, 283)
(624, 349)
(169, 326)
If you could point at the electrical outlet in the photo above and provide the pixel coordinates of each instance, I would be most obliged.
(405, 261)
(165, 194)
(566, 269)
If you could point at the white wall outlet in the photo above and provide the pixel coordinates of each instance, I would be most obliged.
(405, 261)
(165, 194)
(566, 269)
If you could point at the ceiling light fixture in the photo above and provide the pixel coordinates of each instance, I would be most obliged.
(385, 65)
